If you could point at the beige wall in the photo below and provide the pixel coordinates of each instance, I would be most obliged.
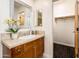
(45, 6)
(5, 12)
(63, 29)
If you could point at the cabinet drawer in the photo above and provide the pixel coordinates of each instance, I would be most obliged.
(19, 50)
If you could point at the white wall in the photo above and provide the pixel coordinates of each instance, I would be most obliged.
(45, 6)
(63, 29)
(4, 14)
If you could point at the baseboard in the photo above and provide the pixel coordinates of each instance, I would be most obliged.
(63, 44)
(6, 56)
(47, 56)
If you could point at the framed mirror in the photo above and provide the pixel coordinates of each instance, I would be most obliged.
(22, 13)
(39, 23)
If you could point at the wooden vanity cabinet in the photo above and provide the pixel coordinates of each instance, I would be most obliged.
(33, 49)
(29, 50)
(17, 52)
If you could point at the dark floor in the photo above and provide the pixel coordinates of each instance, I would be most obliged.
(62, 51)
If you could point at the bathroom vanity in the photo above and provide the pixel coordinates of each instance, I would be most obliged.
(31, 46)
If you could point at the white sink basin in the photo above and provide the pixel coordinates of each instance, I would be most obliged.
(28, 37)
(24, 38)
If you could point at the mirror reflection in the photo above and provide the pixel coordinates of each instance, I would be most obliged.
(39, 18)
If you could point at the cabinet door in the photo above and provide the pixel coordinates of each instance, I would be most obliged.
(29, 51)
(18, 51)
(39, 44)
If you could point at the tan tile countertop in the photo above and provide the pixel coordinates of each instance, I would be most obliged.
(21, 40)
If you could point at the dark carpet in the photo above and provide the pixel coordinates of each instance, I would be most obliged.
(62, 51)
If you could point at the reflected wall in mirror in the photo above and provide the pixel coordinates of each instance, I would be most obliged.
(21, 18)
(39, 18)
